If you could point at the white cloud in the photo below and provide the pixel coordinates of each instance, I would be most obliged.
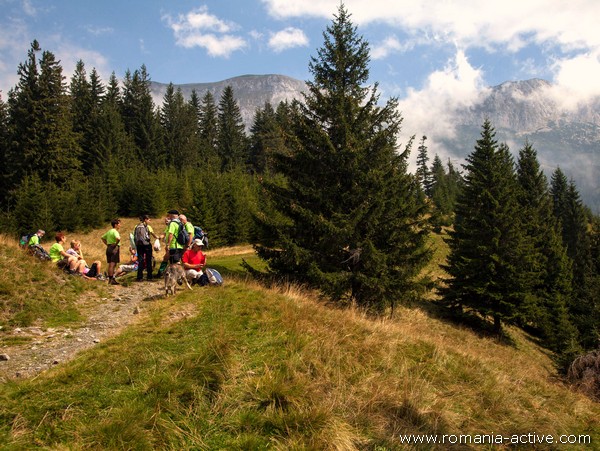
(199, 28)
(560, 27)
(577, 79)
(99, 31)
(390, 45)
(14, 44)
(465, 21)
(68, 53)
(288, 38)
(223, 45)
(431, 110)
(28, 8)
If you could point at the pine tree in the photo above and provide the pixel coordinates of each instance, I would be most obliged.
(43, 139)
(267, 138)
(232, 143)
(486, 247)
(140, 120)
(60, 150)
(179, 129)
(5, 182)
(584, 304)
(345, 214)
(84, 113)
(550, 284)
(111, 141)
(559, 186)
(423, 174)
(194, 106)
(24, 104)
(209, 132)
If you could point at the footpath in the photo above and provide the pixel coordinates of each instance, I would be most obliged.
(42, 348)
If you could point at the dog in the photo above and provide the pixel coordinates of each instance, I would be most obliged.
(174, 275)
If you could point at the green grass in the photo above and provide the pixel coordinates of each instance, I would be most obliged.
(256, 368)
(36, 292)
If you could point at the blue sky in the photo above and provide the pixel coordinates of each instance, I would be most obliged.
(434, 55)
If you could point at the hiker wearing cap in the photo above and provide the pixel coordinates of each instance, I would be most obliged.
(194, 262)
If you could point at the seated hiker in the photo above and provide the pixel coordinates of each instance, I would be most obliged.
(131, 266)
(34, 240)
(62, 259)
(90, 272)
(194, 262)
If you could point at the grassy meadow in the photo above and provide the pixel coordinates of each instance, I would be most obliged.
(258, 368)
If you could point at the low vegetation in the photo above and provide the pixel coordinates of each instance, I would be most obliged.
(258, 368)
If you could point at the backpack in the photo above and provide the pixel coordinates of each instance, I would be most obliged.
(142, 237)
(24, 240)
(39, 252)
(214, 278)
(199, 234)
(183, 236)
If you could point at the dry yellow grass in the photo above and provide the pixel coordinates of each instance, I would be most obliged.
(441, 375)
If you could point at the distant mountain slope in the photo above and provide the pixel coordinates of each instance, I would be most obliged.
(519, 110)
(525, 111)
(251, 91)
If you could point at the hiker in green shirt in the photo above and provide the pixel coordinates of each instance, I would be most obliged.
(189, 227)
(35, 238)
(112, 240)
(62, 259)
(175, 249)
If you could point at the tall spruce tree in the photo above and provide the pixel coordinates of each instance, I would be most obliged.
(140, 120)
(232, 143)
(209, 132)
(346, 217)
(485, 264)
(423, 174)
(585, 306)
(5, 183)
(267, 138)
(177, 119)
(550, 284)
(24, 104)
(84, 109)
(40, 118)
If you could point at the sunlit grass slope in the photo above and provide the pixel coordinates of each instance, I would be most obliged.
(36, 292)
(257, 368)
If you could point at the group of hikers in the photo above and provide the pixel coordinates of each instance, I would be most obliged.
(181, 242)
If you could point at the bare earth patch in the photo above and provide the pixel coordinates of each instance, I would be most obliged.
(32, 350)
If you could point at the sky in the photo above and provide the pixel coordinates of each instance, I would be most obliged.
(433, 55)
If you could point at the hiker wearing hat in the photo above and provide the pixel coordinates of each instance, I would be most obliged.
(194, 262)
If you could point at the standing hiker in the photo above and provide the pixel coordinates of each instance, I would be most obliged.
(112, 240)
(142, 233)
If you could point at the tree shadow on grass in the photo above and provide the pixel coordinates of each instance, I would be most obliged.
(469, 319)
